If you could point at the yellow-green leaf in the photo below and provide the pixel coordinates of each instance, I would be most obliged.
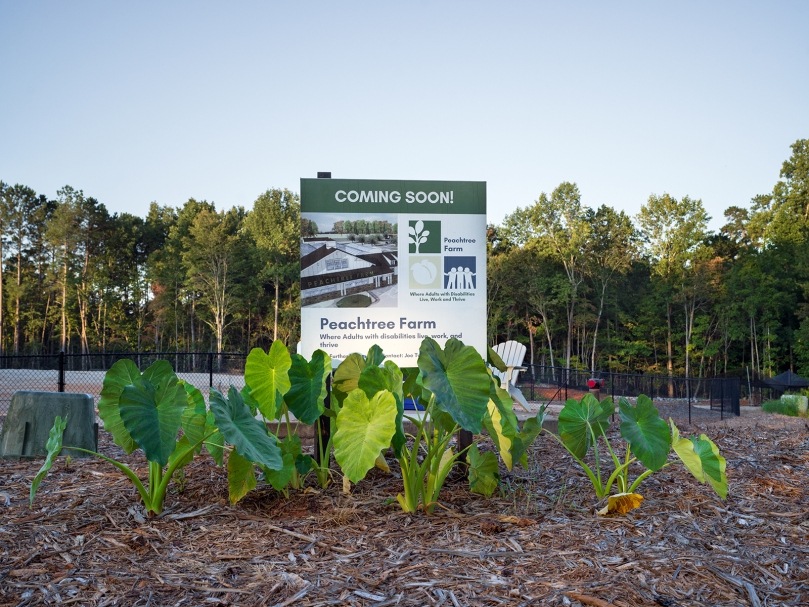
(364, 428)
(241, 476)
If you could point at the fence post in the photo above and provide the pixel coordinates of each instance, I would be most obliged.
(210, 369)
(688, 396)
(61, 371)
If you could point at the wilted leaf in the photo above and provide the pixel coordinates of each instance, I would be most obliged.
(382, 463)
(701, 457)
(621, 503)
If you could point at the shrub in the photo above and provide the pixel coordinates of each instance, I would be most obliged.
(781, 407)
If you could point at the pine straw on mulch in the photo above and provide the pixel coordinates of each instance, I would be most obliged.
(88, 542)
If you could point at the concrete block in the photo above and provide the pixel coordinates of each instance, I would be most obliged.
(31, 416)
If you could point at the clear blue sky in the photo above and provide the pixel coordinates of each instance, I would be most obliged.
(135, 102)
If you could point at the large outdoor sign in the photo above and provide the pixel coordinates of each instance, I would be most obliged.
(390, 262)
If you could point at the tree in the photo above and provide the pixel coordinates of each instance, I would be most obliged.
(18, 204)
(557, 225)
(64, 233)
(274, 224)
(210, 257)
(674, 232)
(611, 249)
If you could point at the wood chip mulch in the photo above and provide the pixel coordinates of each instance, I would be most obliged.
(88, 542)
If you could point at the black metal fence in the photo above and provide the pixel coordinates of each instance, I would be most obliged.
(721, 394)
(84, 373)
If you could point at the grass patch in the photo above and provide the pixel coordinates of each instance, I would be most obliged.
(784, 408)
(354, 301)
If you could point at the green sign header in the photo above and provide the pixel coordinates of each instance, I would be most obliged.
(393, 196)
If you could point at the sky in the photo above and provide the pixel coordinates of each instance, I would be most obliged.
(141, 102)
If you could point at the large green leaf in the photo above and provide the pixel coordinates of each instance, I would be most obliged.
(153, 414)
(308, 386)
(526, 436)
(483, 471)
(372, 380)
(493, 358)
(194, 415)
(375, 356)
(251, 402)
(394, 377)
(243, 431)
(347, 376)
(280, 478)
(364, 428)
(158, 371)
(713, 464)
(579, 419)
(241, 477)
(181, 456)
(648, 435)
(216, 442)
(267, 374)
(459, 380)
(53, 447)
(701, 457)
(122, 374)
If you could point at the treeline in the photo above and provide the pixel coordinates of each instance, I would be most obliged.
(581, 287)
(76, 278)
(595, 288)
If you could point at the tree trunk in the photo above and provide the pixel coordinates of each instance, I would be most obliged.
(598, 322)
(669, 362)
(275, 323)
(17, 324)
(193, 335)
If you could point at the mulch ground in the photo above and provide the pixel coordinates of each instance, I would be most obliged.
(88, 542)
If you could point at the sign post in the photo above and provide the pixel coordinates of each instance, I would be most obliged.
(390, 263)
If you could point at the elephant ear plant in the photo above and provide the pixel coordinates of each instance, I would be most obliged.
(456, 390)
(279, 386)
(649, 442)
(146, 411)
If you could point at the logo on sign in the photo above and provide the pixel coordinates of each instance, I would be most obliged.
(424, 237)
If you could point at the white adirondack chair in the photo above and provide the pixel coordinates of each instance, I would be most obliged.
(512, 353)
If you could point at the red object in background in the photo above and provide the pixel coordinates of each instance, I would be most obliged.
(594, 383)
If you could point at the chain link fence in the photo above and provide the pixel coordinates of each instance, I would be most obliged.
(84, 373)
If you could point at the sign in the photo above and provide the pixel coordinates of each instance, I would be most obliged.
(391, 262)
